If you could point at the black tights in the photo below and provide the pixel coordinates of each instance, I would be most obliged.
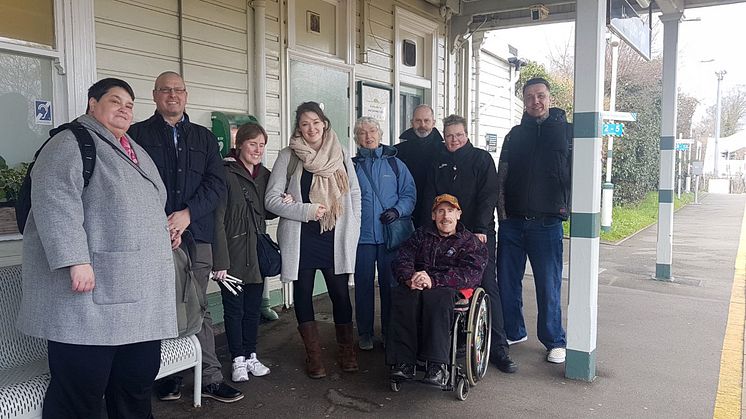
(336, 286)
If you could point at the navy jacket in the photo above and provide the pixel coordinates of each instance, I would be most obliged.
(469, 174)
(417, 153)
(538, 157)
(396, 193)
(194, 180)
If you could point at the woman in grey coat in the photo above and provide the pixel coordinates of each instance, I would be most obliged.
(318, 228)
(98, 275)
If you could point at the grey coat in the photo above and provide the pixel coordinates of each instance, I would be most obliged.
(346, 231)
(116, 223)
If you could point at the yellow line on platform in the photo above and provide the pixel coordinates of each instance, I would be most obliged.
(730, 384)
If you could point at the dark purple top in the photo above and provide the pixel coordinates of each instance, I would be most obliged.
(455, 261)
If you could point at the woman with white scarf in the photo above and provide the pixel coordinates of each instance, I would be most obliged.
(313, 189)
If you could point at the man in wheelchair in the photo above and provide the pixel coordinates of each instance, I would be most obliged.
(439, 259)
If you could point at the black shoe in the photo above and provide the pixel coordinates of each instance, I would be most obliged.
(222, 392)
(168, 388)
(436, 375)
(505, 364)
(402, 371)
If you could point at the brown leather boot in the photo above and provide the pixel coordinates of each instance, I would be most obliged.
(346, 348)
(310, 335)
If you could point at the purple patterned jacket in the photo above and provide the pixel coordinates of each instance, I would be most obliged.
(456, 261)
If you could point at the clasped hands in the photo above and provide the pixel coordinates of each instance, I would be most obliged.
(420, 281)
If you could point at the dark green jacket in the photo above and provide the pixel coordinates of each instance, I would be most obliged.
(234, 247)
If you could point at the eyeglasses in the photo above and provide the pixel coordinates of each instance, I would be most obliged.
(458, 136)
(170, 90)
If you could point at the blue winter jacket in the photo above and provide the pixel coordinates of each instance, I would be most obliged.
(397, 193)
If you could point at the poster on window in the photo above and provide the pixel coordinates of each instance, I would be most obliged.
(375, 101)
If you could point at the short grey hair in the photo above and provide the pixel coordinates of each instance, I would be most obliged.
(455, 120)
(367, 120)
(424, 106)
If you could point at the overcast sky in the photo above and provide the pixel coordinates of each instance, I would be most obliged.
(717, 36)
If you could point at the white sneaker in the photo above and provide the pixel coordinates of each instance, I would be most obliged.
(255, 367)
(556, 355)
(513, 342)
(239, 370)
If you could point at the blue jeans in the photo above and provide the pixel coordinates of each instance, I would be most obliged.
(541, 240)
(365, 305)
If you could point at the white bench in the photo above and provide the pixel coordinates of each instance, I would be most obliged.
(181, 354)
(24, 370)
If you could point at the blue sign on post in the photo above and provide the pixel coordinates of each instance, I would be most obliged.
(613, 129)
(682, 147)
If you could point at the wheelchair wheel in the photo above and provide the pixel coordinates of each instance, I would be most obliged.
(479, 337)
(462, 389)
(395, 386)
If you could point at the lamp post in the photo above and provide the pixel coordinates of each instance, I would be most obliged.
(720, 74)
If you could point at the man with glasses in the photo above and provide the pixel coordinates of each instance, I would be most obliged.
(469, 174)
(190, 166)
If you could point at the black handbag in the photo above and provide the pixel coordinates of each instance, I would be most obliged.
(267, 251)
(396, 232)
(268, 254)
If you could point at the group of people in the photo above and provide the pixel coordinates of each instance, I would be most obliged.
(98, 271)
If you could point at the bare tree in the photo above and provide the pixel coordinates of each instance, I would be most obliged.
(732, 115)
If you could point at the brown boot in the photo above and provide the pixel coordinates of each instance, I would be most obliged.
(310, 335)
(346, 347)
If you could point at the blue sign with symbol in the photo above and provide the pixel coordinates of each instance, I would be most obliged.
(43, 112)
(613, 129)
(682, 147)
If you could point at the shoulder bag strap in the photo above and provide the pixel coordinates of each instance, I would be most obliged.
(370, 180)
(250, 203)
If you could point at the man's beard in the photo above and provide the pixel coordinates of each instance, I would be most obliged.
(420, 133)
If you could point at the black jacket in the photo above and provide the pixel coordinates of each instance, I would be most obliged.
(234, 247)
(468, 174)
(535, 167)
(196, 180)
(417, 154)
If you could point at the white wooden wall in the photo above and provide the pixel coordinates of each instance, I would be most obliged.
(378, 35)
(494, 98)
(136, 41)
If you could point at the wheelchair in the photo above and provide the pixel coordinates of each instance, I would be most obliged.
(471, 339)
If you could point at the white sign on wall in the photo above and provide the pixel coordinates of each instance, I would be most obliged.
(375, 101)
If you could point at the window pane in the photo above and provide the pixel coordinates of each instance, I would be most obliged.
(31, 21)
(329, 88)
(25, 84)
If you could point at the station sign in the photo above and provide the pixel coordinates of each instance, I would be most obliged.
(613, 129)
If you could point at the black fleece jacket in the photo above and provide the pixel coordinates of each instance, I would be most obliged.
(469, 174)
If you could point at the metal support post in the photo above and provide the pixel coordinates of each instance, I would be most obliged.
(664, 247)
(607, 189)
(720, 74)
(582, 310)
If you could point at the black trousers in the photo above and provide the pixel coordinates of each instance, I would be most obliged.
(241, 315)
(499, 348)
(420, 325)
(336, 286)
(83, 374)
